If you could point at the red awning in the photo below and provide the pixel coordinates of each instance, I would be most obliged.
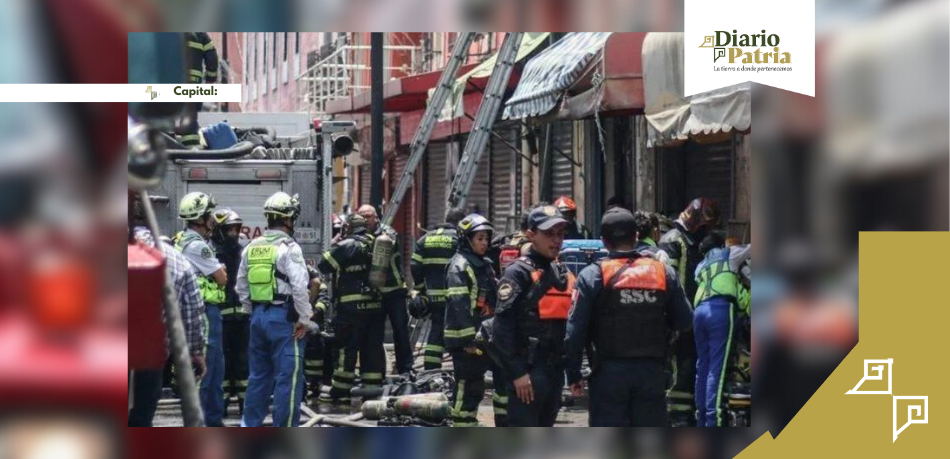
(612, 84)
(399, 95)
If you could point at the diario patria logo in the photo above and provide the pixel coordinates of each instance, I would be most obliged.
(759, 48)
(149, 91)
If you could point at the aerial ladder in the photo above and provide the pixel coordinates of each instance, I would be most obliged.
(421, 138)
(484, 120)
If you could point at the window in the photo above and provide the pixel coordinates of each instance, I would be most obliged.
(285, 46)
(274, 44)
(264, 62)
(297, 44)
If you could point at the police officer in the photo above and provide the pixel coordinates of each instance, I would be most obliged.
(471, 300)
(720, 297)
(273, 281)
(629, 305)
(202, 68)
(529, 338)
(394, 293)
(196, 209)
(432, 254)
(681, 245)
(358, 322)
(568, 208)
(225, 238)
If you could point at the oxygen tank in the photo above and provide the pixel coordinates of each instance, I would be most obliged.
(382, 253)
(432, 407)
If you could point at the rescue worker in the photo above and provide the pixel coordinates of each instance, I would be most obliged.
(568, 208)
(720, 298)
(432, 254)
(196, 210)
(505, 248)
(318, 358)
(394, 294)
(202, 68)
(358, 322)
(681, 245)
(315, 355)
(272, 285)
(530, 338)
(629, 305)
(471, 300)
(225, 239)
(648, 232)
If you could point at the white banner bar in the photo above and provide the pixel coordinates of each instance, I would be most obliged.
(120, 93)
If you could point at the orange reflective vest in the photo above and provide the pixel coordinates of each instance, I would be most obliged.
(556, 304)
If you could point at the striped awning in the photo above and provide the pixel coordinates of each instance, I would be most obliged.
(549, 74)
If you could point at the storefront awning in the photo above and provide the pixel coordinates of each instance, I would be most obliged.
(612, 85)
(477, 78)
(674, 117)
(549, 74)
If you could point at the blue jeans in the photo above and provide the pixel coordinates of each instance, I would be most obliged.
(276, 361)
(212, 390)
(628, 393)
(713, 323)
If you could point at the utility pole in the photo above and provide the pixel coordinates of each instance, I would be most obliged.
(376, 114)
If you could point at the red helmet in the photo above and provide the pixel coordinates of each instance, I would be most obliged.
(699, 213)
(565, 204)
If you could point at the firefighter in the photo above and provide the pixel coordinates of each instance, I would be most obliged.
(432, 254)
(225, 239)
(530, 337)
(505, 248)
(720, 298)
(394, 294)
(272, 285)
(319, 355)
(196, 210)
(629, 305)
(472, 291)
(358, 322)
(315, 353)
(681, 245)
(568, 208)
(202, 68)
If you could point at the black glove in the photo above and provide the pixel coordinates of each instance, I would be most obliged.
(419, 306)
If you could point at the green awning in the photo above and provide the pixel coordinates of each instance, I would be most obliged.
(453, 106)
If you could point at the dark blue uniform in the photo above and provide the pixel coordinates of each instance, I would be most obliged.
(528, 342)
(628, 317)
(394, 297)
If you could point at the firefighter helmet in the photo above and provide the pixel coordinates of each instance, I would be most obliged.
(472, 224)
(699, 213)
(195, 205)
(565, 204)
(281, 204)
(226, 217)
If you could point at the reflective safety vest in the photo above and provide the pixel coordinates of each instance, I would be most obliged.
(262, 273)
(556, 304)
(629, 314)
(211, 292)
(716, 279)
